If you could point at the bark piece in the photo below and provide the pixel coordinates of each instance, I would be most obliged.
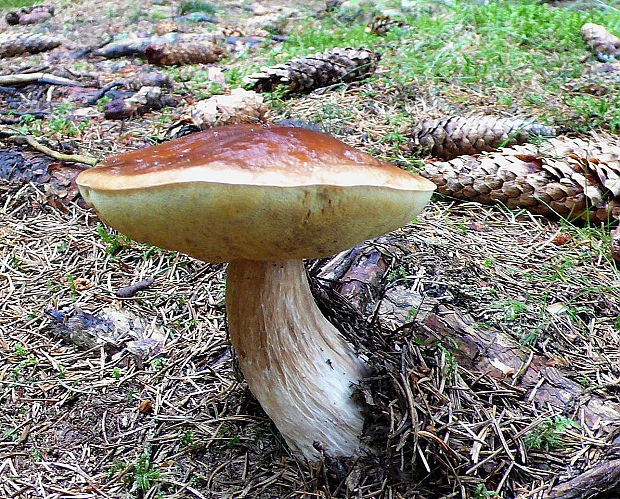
(109, 329)
(458, 135)
(125, 47)
(602, 478)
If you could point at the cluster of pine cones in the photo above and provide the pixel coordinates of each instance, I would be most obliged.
(522, 165)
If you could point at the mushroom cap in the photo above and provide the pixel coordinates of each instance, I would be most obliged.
(253, 192)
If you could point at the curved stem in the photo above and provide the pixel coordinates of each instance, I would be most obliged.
(295, 361)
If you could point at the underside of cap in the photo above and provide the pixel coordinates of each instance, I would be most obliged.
(253, 192)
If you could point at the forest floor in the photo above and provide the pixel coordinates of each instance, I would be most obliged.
(501, 328)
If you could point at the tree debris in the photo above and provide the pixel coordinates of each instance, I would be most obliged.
(26, 78)
(526, 377)
(110, 329)
(240, 106)
(166, 50)
(458, 135)
(615, 244)
(19, 138)
(604, 45)
(104, 90)
(308, 73)
(133, 289)
(125, 47)
(181, 52)
(15, 167)
(143, 101)
(30, 15)
(382, 24)
(14, 44)
(565, 177)
(603, 478)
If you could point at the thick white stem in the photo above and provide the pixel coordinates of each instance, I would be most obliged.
(296, 363)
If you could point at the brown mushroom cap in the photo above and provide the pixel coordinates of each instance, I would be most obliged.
(253, 192)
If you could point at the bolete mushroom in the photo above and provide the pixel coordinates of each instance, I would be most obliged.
(263, 198)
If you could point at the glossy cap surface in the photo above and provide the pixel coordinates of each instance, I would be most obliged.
(253, 192)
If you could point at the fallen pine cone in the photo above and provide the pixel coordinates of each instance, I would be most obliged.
(143, 101)
(382, 24)
(305, 74)
(598, 79)
(570, 178)
(606, 47)
(457, 135)
(180, 53)
(14, 44)
(165, 26)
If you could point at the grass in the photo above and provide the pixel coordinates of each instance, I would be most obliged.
(188, 7)
(16, 4)
(548, 434)
(498, 47)
(510, 57)
(114, 242)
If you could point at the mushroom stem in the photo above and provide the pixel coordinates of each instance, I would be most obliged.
(295, 361)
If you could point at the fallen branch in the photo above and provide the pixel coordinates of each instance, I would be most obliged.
(602, 478)
(93, 100)
(25, 78)
(21, 139)
(69, 158)
(131, 290)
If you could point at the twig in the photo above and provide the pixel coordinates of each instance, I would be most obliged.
(93, 100)
(132, 289)
(24, 78)
(19, 138)
(13, 118)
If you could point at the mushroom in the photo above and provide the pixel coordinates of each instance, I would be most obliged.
(263, 198)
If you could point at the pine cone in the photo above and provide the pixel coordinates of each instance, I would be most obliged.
(456, 135)
(571, 178)
(143, 101)
(305, 74)
(382, 24)
(13, 44)
(179, 53)
(165, 26)
(599, 79)
(606, 47)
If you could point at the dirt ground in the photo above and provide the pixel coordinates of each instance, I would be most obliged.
(503, 383)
